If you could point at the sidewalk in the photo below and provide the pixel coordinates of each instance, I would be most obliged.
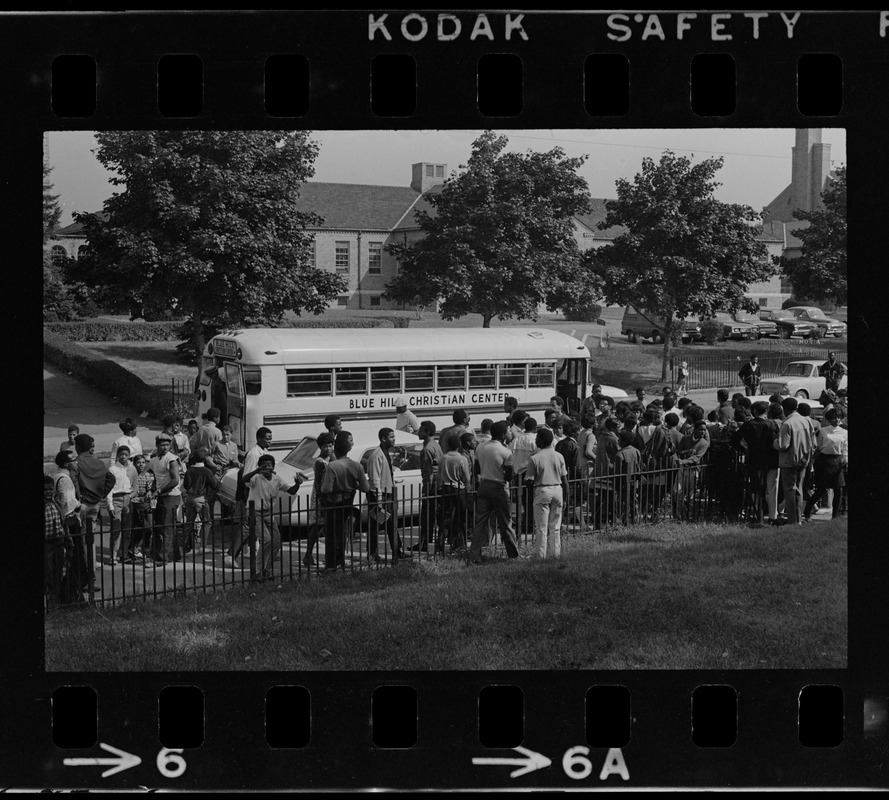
(67, 400)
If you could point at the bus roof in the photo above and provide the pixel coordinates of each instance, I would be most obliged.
(400, 345)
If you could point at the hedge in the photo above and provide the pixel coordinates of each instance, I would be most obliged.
(88, 331)
(93, 331)
(105, 375)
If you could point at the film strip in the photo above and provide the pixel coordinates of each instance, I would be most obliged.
(382, 727)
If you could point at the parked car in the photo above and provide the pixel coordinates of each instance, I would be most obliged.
(637, 325)
(763, 327)
(800, 379)
(787, 324)
(405, 458)
(817, 408)
(733, 329)
(829, 326)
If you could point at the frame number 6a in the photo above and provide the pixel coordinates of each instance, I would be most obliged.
(578, 766)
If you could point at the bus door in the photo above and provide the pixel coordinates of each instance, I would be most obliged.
(235, 404)
(570, 382)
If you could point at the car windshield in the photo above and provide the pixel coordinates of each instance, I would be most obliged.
(815, 313)
(403, 457)
(781, 315)
(746, 317)
(304, 454)
(798, 370)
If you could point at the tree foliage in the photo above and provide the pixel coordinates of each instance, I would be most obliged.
(684, 252)
(206, 226)
(500, 239)
(820, 271)
(52, 211)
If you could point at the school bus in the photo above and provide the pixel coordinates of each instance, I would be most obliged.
(289, 379)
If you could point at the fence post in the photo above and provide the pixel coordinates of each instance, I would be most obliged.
(251, 537)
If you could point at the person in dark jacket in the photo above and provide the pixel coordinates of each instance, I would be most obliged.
(755, 438)
(94, 480)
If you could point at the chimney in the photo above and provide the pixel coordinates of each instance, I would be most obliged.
(425, 175)
(801, 170)
(819, 172)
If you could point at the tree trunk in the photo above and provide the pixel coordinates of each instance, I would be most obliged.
(665, 359)
(198, 341)
(486, 320)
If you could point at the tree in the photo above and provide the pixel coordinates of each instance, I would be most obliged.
(820, 271)
(52, 211)
(684, 252)
(207, 226)
(500, 240)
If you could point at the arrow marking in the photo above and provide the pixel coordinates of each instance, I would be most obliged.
(529, 763)
(122, 761)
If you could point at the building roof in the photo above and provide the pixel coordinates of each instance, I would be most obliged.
(355, 206)
(597, 215)
(76, 228)
(409, 221)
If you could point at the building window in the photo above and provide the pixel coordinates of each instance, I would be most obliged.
(375, 258)
(342, 300)
(439, 171)
(314, 252)
(763, 302)
(342, 257)
(430, 171)
(58, 253)
(375, 302)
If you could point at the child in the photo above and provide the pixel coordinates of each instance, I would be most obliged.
(118, 501)
(200, 485)
(225, 453)
(68, 444)
(129, 438)
(265, 487)
(141, 507)
(682, 382)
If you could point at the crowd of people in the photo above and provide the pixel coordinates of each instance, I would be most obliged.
(606, 462)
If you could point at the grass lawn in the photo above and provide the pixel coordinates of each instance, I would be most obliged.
(154, 362)
(669, 596)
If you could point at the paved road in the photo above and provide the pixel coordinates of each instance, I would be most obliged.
(67, 400)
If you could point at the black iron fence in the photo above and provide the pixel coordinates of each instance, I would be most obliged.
(721, 371)
(205, 547)
(182, 396)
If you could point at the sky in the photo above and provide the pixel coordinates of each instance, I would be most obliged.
(756, 161)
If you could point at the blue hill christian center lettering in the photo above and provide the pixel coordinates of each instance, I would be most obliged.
(721, 27)
(416, 401)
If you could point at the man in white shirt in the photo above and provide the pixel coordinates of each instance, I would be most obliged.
(406, 419)
(264, 488)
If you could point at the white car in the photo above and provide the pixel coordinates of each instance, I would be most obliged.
(800, 379)
(405, 458)
(817, 408)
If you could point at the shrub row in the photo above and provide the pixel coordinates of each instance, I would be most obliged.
(92, 331)
(105, 375)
